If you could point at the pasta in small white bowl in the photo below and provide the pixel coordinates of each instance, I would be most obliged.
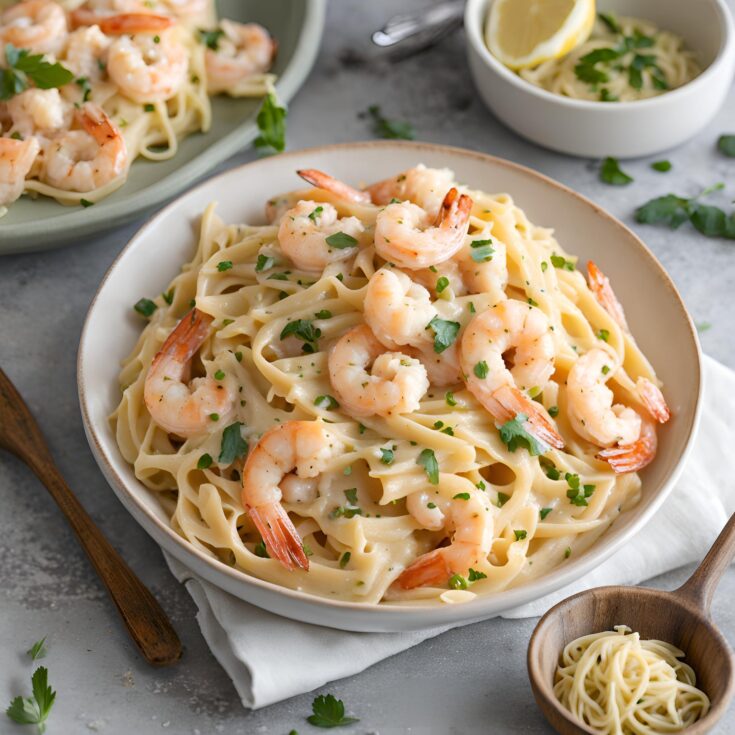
(607, 123)
(364, 537)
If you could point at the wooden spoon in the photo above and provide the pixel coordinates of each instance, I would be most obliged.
(681, 617)
(144, 618)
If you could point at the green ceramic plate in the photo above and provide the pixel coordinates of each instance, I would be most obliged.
(42, 223)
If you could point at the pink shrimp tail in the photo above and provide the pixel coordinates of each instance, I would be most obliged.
(328, 183)
(601, 288)
(279, 535)
(635, 456)
(186, 338)
(96, 122)
(121, 23)
(429, 569)
(455, 210)
(653, 399)
(507, 402)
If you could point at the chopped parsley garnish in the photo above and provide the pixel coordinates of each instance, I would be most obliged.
(610, 21)
(461, 496)
(567, 552)
(553, 473)
(205, 461)
(37, 650)
(389, 129)
(445, 333)
(24, 69)
(86, 203)
(327, 402)
(558, 261)
(85, 87)
(351, 495)
(145, 307)
(340, 512)
(481, 250)
(431, 506)
(323, 314)
(261, 551)
(544, 512)
(341, 240)
(603, 334)
(211, 38)
(726, 145)
(605, 369)
(272, 125)
(441, 283)
(427, 459)
(344, 559)
(474, 575)
(224, 265)
(149, 107)
(219, 375)
(387, 456)
(514, 435)
(264, 263)
(457, 582)
(481, 370)
(605, 96)
(703, 326)
(168, 296)
(674, 210)
(450, 399)
(611, 173)
(578, 495)
(503, 498)
(662, 166)
(233, 445)
(315, 213)
(553, 411)
(520, 534)
(305, 330)
(34, 710)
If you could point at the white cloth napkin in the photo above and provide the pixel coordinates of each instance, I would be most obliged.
(242, 637)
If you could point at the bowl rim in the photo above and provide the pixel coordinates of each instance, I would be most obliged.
(474, 16)
(555, 580)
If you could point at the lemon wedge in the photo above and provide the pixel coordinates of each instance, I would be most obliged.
(523, 33)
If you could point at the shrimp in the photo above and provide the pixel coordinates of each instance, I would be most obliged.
(304, 232)
(303, 446)
(84, 52)
(423, 186)
(36, 25)
(404, 236)
(601, 288)
(398, 310)
(38, 111)
(148, 68)
(243, 50)
(16, 159)
(115, 24)
(83, 160)
(629, 438)
(471, 523)
(484, 271)
(335, 186)
(394, 384)
(180, 408)
(511, 325)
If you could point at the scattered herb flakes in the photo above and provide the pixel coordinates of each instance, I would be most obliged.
(603, 334)
(145, 307)
(481, 250)
(205, 461)
(578, 495)
(543, 512)
(661, 166)
(168, 296)
(503, 498)
(264, 263)
(457, 582)
(427, 459)
(611, 173)
(341, 240)
(450, 399)
(387, 456)
(224, 265)
(553, 411)
(726, 145)
(212, 38)
(445, 333)
(513, 433)
(86, 203)
(390, 129)
(37, 650)
(351, 495)
(520, 534)
(34, 710)
(559, 261)
(304, 329)
(474, 575)
(261, 551)
(481, 370)
(327, 402)
(233, 445)
(567, 552)
(441, 284)
(219, 375)
(344, 560)
(461, 496)
(315, 213)
(272, 125)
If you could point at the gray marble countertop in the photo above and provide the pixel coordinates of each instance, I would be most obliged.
(469, 680)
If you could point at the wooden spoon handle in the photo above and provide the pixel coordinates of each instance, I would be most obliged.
(144, 618)
(701, 586)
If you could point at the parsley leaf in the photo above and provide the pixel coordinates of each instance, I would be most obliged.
(670, 210)
(663, 166)
(387, 456)
(544, 512)
(341, 240)
(264, 263)
(441, 284)
(327, 402)
(315, 213)
(726, 145)
(224, 265)
(34, 710)
(610, 21)
(481, 250)
(37, 650)
(474, 575)
(233, 445)
(520, 534)
(272, 125)
(427, 459)
(481, 370)
(390, 129)
(205, 462)
(145, 307)
(611, 173)
(211, 38)
(450, 399)
(304, 329)
(24, 68)
(578, 496)
(445, 333)
(514, 435)
(344, 560)
(329, 712)
(351, 495)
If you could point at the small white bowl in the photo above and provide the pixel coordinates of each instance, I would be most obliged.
(621, 129)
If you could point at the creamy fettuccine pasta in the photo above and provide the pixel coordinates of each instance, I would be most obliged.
(403, 392)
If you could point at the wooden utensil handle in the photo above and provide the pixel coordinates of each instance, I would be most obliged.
(143, 616)
(701, 586)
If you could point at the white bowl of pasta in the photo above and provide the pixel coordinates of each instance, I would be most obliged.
(416, 492)
(577, 105)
